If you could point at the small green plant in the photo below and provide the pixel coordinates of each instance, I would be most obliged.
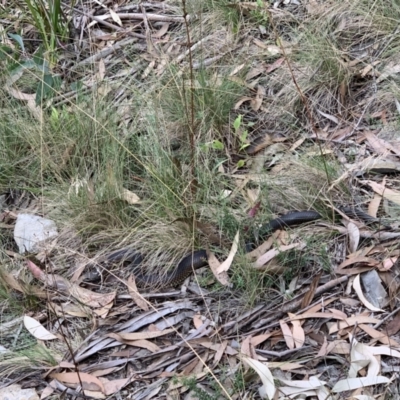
(48, 19)
(260, 15)
(241, 134)
(200, 394)
(33, 74)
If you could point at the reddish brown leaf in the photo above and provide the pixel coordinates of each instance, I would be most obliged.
(394, 325)
(308, 297)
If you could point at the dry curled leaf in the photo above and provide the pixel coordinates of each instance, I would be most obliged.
(37, 330)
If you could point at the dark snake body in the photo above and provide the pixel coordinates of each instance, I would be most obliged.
(198, 259)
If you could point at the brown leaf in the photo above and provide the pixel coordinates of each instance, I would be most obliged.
(392, 195)
(134, 293)
(351, 321)
(143, 344)
(89, 382)
(308, 297)
(374, 204)
(298, 332)
(308, 314)
(264, 247)
(197, 321)
(257, 102)
(214, 264)
(241, 101)
(258, 144)
(220, 352)
(287, 334)
(394, 325)
(144, 335)
(338, 314)
(248, 349)
(256, 340)
(276, 64)
(381, 336)
(111, 387)
(254, 72)
(162, 31)
(366, 265)
(377, 144)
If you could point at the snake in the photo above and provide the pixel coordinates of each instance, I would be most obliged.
(198, 258)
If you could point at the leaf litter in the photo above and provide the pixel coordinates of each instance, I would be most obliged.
(286, 340)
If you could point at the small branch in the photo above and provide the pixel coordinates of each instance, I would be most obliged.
(104, 53)
(152, 17)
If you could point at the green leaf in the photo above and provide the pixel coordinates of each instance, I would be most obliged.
(243, 146)
(77, 85)
(217, 145)
(203, 147)
(5, 52)
(55, 116)
(240, 163)
(237, 122)
(243, 137)
(19, 40)
(44, 88)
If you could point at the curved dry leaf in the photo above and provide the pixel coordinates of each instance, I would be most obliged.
(269, 255)
(136, 296)
(228, 262)
(329, 116)
(287, 334)
(257, 102)
(360, 294)
(111, 387)
(214, 264)
(357, 383)
(144, 344)
(89, 382)
(162, 31)
(392, 195)
(298, 331)
(374, 204)
(144, 335)
(387, 264)
(361, 357)
(265, 375)
(115, 17)
(354, 236)
(37, 330)
(241, 101)
(351, 321)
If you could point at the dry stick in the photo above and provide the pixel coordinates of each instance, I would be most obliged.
(151, 17)
(207, 62)
(376, 326)
(293, 305)
(104, 52)
(280, 354)
(107, 24)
